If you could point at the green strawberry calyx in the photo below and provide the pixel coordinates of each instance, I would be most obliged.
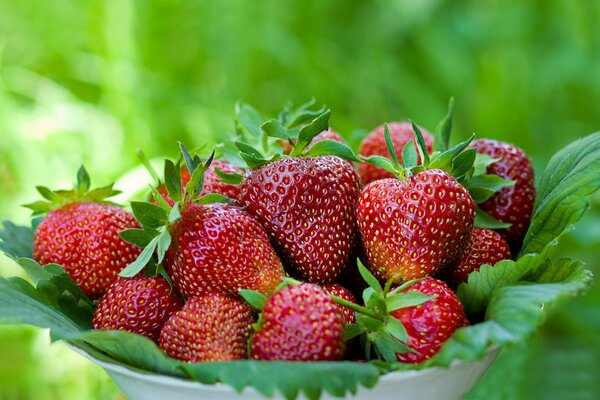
(157, 220)
(55, 199)
(380, 332)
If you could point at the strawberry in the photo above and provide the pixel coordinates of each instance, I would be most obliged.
(206, 246)
(325, 135)
(338, 290)
(212, 327)
(140, 305)
(430, 324)
(307, 206)
(218, 247)
(485, 247)
(80, 232)
(299, 323)
(401, 133)
(413, 228)
(512, 204)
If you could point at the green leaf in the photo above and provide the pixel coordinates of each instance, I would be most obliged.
(422, 147)
(482, 187)
(210, 198)
(380, 162)
(254, 298)
(444, 160)
(17, 241)
(409, 155)
(482, 161)
(173, 180)
(229, 177)
(369, 278)
(445, 128)
(570, 176)
(406, 299)
(485, 220)
(138, 237)
(352, 331)
(390, 147)
(273, 128)
(149, 215)
(296, 117)
(318, 125)
(462, 164)
(135, 267)
(83, 180)
(331, 147)
(396, 330)
(387, 347)
(249, 118)
(164, 241)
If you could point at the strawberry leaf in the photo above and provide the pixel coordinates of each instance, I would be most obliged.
(445, 128)
(482, 187)
(17, 241)
(138, 237)
(331, 147)
(229, 177)
(422, 147)
(485, 220)
(254, 298)
(306, 135)
(274, 128)
(210, 198)
(249, 119)
(409, 155)
(173, 179)
(369, 278)
(149, 215)
(138, 265)
(390, 147)
(406, 299)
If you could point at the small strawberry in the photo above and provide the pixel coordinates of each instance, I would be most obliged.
(374, 144)
(325, 135)
(140, 305)
(338, 290)
(80, 232)
(430, 324)
(485, 247)
(206, 246)
(305, 202)
(512, 204)
(212, 327)
(299, 323)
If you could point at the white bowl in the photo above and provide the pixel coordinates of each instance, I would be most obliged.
(432, 383)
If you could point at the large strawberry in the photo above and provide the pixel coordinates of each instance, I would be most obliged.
(140, 305)
(512, 204)
(485, 247)
(299, 323)
(306, 203)
(374, 144)
(212, 327)
(80, 232)
(207, 246)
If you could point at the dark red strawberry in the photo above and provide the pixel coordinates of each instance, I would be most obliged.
(80, 232)
(431, 323)
(485, 247)
(218, 247)
(213, 327)
(307, 206)
(299, 323)
(512, 204)
(140, 305)
(212, 181)
(415, 227)
(338, 290)
(375, 145)
(325, 135)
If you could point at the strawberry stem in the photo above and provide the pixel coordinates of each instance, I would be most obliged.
(359, 309)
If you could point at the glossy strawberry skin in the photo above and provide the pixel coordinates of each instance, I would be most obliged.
(307, 207)
(415, 227)
(430, 324)
(300, 323)
(140, 305)
(212, 181)
(83, 238)
(515, 203)
(218, 247)
(212, 327)
(485, 247)
(338, 290)
(375, 145)
(325, 135)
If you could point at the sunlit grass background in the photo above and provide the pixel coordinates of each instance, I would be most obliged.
(91, 81)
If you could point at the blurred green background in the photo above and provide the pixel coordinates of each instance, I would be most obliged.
(91, 81)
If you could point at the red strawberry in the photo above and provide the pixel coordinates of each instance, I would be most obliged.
(307, 206)
(212, 327)
(140, 305)
(375, 145)
(485, 247)
(338, 290)
(80, 232)
(219, 247)
(431, 323)
(299, 323)
(325, 135)
(212, 181)
(513, 204)
(413, 228)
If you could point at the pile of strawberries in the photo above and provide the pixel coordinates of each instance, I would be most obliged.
(307, 252)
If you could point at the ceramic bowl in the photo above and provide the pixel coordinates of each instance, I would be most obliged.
(432, 383)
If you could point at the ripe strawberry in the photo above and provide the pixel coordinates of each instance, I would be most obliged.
(325, 135)
(338, 290)
(513, 204)
(485, 247)
(80, 232)
(212, 181)
(431, 323)
(307, 206)
(140, 305)
(218, 247)
(413, 228)
(212, 327)
(299, 323)
(374, 144)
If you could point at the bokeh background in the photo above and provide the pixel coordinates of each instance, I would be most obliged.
(92, 81)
